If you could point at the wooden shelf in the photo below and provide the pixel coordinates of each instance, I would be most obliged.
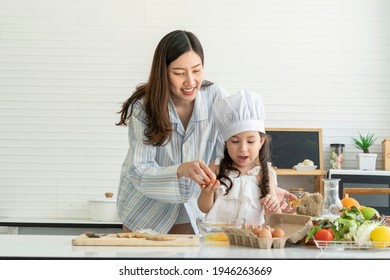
(318, 174)
(293, 172)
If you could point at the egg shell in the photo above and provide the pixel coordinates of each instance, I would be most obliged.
(264, 233)
(278, 232)
(256, 230)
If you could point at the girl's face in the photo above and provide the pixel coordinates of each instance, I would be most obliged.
(185, 77)
(244, 148)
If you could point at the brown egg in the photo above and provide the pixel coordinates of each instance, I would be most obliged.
(265, 232)
(278, 232)
(256, 230)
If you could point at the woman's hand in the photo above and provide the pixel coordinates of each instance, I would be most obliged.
(198, 171)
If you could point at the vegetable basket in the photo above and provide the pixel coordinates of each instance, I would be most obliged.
(351, 245)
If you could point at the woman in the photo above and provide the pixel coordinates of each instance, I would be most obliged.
(172, 138)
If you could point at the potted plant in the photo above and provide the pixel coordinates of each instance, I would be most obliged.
(367, 160)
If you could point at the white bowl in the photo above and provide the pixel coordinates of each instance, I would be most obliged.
(103, 210)
(305, 167)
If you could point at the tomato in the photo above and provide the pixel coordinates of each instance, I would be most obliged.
(324, 234)
(331, 232)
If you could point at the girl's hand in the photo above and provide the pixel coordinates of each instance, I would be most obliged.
(198, 171)
(270, 203)
(212, 187)
(282, 194)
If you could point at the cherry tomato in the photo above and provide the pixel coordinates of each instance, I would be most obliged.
(325, 234)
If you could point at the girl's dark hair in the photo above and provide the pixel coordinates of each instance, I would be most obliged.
(155, 92)
(226, 166)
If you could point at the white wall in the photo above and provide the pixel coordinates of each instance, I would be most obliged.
(66, 66)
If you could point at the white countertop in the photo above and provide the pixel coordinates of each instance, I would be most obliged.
(359, 172)
(49, 246)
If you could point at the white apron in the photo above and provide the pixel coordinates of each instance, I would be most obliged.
(242, 201)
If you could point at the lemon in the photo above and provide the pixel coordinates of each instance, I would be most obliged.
(381, 236)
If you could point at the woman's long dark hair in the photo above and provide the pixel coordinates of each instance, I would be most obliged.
(155, 92)
(226, 166)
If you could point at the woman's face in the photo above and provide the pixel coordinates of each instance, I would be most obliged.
(244, 148)
(185, 77)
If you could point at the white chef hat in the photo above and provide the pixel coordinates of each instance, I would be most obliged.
(243, 111)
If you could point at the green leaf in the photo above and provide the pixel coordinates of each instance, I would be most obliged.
(364, 142)
(310, 233)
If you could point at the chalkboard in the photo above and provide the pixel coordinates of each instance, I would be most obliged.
(289, 146)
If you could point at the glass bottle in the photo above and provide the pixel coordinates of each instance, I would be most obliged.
(331, 203)
(336, 157)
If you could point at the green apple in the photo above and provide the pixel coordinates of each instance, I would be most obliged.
(369, 213)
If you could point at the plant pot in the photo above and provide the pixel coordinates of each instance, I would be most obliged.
(367, 161)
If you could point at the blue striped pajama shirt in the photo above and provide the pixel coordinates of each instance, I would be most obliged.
(150, 194)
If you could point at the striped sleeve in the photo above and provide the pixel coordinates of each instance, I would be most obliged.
(148, 177)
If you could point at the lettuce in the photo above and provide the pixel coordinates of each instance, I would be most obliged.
(345, 226)
(350, 226)
(362, 236)
(344, 229)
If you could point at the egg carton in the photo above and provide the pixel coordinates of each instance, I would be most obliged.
(246, 238)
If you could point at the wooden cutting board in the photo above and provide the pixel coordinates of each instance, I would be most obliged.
(175, 240)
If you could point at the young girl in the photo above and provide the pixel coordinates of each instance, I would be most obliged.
(246, 186)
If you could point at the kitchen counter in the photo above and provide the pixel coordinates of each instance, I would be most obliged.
(60, 247)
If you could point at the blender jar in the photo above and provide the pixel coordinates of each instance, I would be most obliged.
(331, 203)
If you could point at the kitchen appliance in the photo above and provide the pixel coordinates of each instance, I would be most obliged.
(104, 210)
(365, 179)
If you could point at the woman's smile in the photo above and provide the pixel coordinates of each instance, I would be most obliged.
(189, 91)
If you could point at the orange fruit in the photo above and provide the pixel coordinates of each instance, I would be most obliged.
(348, 202)
(362, 207)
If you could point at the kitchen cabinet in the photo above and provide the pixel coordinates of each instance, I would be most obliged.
(26, 226)
(317, 174)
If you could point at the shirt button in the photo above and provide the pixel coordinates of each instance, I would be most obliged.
(186, 148)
